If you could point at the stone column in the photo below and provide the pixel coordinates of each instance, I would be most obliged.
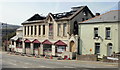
(31, 47)
(37, 31)
(53, 50)
(29, 30)
(76, 37)
(41, 30)
(15, 49)
(33, 30)
(23, 47)
(61, 30)
(41, 49)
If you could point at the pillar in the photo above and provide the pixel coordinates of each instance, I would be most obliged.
(23, 47)
(53, 50)
(41, 49)
(31, 47)
(76, 37)
(15, 49)
(37, 31)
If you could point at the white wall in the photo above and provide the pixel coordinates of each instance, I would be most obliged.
(87, 35)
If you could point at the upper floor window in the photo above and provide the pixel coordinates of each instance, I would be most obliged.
(43, 29)
(31, 30)
(83, 19)
(64, 29)
(50, 29)
(108, 33)
(95, 32)
(59, 29)
(35, 29)
(39, 29)
(25, 30)
(28, 30)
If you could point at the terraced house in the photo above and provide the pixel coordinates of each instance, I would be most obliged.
(55, 34)
(100, 35)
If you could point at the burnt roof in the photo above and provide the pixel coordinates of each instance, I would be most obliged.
(36, 17)
(66, 14)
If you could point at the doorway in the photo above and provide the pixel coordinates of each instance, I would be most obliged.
(109, 49)
(72, 46)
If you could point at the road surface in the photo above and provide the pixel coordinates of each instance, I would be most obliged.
(18, 61)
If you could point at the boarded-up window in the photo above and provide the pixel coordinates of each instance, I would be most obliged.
(59, 29)
(64, 29)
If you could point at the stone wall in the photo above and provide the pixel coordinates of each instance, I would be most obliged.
(87, 57)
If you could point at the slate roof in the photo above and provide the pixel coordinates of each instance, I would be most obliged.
(20, 35)
(36, 17)
(110, 16)
(58, 16)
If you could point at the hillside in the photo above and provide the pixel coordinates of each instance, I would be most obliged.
(7, 30)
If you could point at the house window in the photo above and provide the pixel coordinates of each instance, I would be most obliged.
(95, 32)
(39, 29)
(25, 30)
(64, 29)
(35, 29)
(43, 29)
(61, 49)
(12, 42)
(97, 48)
(108, 33)
(28, 30)
(47, 48)
(83, 19)
(50, 29)
(59, 28)
(31, 30)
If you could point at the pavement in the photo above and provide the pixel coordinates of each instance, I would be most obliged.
(18, 61)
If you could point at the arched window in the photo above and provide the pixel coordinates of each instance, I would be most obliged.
(75, 29)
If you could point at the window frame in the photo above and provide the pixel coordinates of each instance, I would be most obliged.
(96, 34)
(39, 29)
(57, 47)
(43, 29)
(97, 46)
(58, 29)
(108, 33)
(65, 29)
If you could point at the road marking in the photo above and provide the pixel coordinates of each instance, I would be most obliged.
(42, 66)
(68, 67)
(25, 67)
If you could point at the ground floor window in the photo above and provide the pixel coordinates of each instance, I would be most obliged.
(36, 45)
(97, 48)
(19, 44)
(27, 45)
(47, 48)
(60, 49)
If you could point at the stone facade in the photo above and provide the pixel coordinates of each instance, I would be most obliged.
(55, 27)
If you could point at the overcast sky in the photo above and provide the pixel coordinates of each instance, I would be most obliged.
(17, 12)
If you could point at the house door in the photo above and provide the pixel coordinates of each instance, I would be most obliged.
(109, 49)
(72, 46)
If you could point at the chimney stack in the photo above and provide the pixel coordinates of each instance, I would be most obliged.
(97, 14)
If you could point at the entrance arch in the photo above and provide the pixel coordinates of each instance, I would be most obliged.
(109, 49)
(72, 46)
